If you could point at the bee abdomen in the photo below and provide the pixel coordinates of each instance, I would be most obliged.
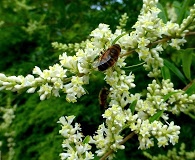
(103, 67)
(109, 58)
(106, 65)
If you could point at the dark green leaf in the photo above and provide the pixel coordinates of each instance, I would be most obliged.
(132, 106)
(156, 116)
(182, 11)
(186, 62)
(175, 70)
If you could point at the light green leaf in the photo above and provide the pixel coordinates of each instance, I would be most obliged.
(156, 116)
(162, 15)
(177, 6)
(165, 72)
(86, 140)
(117, 38)
(167, 96)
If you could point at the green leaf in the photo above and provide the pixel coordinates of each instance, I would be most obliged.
(167, 96)
(86, 140)
(175, 70)
(186, 62)
(162, 15)
(117, 38)
(132, 106)
(177, 7)
(165, 72)
(182, 11)
(156, 116)
(191, 89)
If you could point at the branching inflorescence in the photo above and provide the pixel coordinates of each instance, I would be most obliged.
(148, 118)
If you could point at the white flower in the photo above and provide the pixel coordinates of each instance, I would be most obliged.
(176, 43)
(73, 143)
(69, 62)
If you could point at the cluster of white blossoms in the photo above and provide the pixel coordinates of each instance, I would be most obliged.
(74, 146)
(123, 21)
(108, 137)
(161, 99)
(147, 131)
(146, 122)
(8, 116)
(120, 84)
(175, 153)
(69, 47)
(7, 119)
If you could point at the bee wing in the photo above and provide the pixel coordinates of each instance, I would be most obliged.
(95, 63)
(104, 59)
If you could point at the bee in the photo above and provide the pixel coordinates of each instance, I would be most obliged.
(109, 57)
(103, 96)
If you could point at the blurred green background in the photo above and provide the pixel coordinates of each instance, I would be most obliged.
(23, 46)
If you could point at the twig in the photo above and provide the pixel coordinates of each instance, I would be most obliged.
(188, 85)
(122, 142)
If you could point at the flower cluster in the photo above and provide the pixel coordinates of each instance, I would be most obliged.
(108, 137)
(101, 35)
(7, 117)
(174, 153)
(164, 97)
(69, 47)
(123, 21)
(120, 84)
(188, 23)
(148, 29)
(74, 146)
(160, 97)
(34, 26)
(147, 131)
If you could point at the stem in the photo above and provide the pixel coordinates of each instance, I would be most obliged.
(127, 53)
(127, 138)
(190, 33)
(122, 142)
(188, 85)
(156, 42)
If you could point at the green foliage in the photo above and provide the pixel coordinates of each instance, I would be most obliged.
(156, 116)
(175, 70)
(132, 106)
(186, 62)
